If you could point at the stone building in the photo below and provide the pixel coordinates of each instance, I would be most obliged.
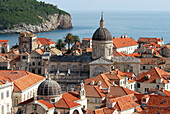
(153, 79)
(6, 89)
(50, 100)
(4, 46)
(124, 44)
(68, 71)
(166, 51)
(24, 85)
(27, 42)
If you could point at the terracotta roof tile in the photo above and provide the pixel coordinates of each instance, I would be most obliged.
(87, 39)
(104, 110)
(45, 41)
(102, 77)
(2, 80)
(154, 73)
(70, 96)
(125, 102)
(166, 92)
(21, 79)
(117, 91)
(159, 101)
(123, 42)
(151, 110)
(147, 40)
(118, 54)
(47, 104)
(65, 103)
(40, 51)
(4, 40)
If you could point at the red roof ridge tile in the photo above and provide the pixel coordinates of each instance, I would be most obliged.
(97, 89)
(47, 104)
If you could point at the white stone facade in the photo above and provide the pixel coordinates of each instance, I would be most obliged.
(6, 98)
(128, 49)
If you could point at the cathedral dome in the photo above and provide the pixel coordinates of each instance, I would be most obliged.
(102, 34)
(49, 88)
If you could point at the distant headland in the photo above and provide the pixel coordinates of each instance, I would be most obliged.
(30, 15)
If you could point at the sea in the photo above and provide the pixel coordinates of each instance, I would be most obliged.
(134, 24)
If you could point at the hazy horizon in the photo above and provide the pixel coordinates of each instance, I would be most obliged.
(111, 5)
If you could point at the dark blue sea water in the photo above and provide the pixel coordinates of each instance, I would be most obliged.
(134, 24)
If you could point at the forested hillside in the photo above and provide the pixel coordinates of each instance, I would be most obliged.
(13, 12)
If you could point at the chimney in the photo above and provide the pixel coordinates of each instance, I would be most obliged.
(108, 91)
(125, 36)
(122, 36)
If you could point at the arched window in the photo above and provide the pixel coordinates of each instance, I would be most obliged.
(52, 68)
(63, 68)
(86, 68)
(2, 108)
(7, 94)
(16, 102)
(28, 95)
(76, 112)
(75, 68)
(130, 69)
(110, 52)
(24, 97)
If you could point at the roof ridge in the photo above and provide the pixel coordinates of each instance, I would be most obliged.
(97, 91)
(158, 72)
(104, 78)
(66, 102)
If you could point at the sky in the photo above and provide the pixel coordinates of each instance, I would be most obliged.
(120, 5)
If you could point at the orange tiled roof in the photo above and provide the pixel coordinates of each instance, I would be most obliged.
(65, 103)
(70, 96)
(102, 77)
(151, 110)
(142, 39)
(117, 91)
(87, 39)
(104, 110)
(47, 104)
(2, 80)
(123, 42)
(44, 41)
(134, 55)
(148, 61)
(21, 79)
(117, 54)
(40, 51)
(93, 91)
(114, 76)
(159, 101)
(4, 40)
(154, 73)
(125, 102)
(166, 92)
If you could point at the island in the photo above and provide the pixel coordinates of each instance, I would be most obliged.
(31, 15)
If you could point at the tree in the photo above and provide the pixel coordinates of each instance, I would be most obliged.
(68, 39)
(76, 39)
(60, 44)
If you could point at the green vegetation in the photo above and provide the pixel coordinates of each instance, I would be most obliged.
(13, 12)
(60, 44)
(68, 39)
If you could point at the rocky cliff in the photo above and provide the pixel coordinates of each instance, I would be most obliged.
(55, 21)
